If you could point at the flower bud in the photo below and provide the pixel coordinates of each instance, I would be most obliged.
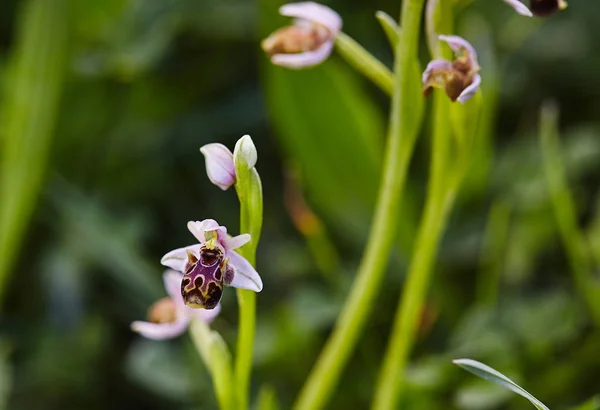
(245, 152)
(219, 165)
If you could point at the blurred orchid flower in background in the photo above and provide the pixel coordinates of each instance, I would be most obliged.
(459, 78)
(169, 317)
(309, 40)
(540, 8)
(212, 263)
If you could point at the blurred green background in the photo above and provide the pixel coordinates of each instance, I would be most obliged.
(104, 106)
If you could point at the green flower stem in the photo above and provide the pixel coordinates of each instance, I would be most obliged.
(249, 190)
(578, 252)
(438, 203)
(213, 351)
(402, 135)
(365, 62)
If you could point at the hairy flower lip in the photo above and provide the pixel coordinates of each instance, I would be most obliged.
(309, 41)
(182, 313)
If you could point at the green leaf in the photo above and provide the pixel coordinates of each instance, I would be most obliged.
(390, 27)
(487, 373)
(331, 128)
(30, 108)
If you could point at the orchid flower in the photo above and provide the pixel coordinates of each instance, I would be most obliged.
(210, 264)
(459, 78)
(309, 40)
(540, 8)
(169, 317)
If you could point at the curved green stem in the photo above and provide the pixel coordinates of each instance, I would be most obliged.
(438, 202)
(400, 143)
(365, 62)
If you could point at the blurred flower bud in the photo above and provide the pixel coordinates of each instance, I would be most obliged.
(540, 8)
(244, 152)
(309, 41)
(458, 78)
(219, 165)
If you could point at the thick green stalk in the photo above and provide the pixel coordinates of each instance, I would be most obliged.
(580, 257)
(407, 317)
(29, 114)
(401, 138)
(249, 191)
(365, 62)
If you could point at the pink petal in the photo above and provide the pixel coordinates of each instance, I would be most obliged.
(303, 60)
(314, 12)
(160, 331)
(237, 241)
(245, 277)
(435, 65)
(206, 315)
(457, 44)
(177, 258)
(470, 90)
(219, 165)
(519, 7)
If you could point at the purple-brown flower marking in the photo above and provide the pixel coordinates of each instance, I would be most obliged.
(169, 316)
(540, 8)
(459, 78)
(211, 264)
(309, 41)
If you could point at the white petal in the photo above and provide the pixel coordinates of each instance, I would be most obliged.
(303, 60)
(237, 241)
(315, 12)
(245, 277)
(172, 281)
(219, 165)
(470, 90)
(160, 331)
(176, 258)
(198, 228)
(206, 315)
(519, 7)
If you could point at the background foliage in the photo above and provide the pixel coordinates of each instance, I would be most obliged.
(133, 88)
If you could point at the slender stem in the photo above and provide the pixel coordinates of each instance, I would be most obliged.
(365, 62)
(492, 255)
(438, 203)
(565, 213)
(400, 143)
(250, 196)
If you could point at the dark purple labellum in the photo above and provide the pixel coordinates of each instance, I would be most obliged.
(202, 283)
(544, 8)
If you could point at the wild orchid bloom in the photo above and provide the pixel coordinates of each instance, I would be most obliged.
(309, 41)
(459, 78)
(169, 317)
(212, 263)
(540, 8)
